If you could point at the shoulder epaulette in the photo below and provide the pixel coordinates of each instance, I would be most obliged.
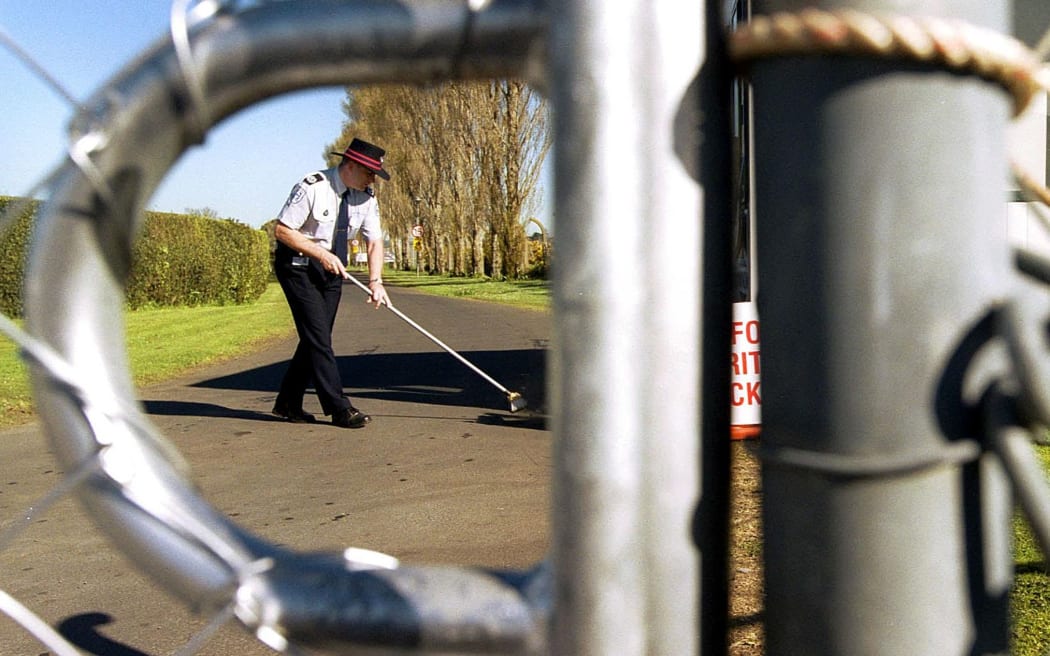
(313, 177)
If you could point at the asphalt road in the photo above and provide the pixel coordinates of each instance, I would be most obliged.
(443, 474)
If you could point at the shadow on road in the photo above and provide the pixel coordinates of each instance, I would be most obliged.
(198, 409)
(82, 631)
(424, 378)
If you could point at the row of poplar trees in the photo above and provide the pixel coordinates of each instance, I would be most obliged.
(465, 161)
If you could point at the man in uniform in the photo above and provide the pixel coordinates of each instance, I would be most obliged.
(323, 211)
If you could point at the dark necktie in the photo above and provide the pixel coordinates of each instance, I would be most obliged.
(341, 224)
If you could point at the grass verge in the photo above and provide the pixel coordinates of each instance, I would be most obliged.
(165, 342)
(533, 294)
(1030, 596)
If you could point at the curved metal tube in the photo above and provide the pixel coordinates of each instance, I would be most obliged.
(123, 143)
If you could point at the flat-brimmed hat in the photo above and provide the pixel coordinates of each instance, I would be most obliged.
(367, 155)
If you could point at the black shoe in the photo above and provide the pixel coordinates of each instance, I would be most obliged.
(294, 415)
(350, 418)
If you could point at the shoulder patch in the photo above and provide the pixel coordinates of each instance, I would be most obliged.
(313, 178)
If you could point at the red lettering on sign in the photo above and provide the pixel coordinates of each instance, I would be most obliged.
(754, 394)
(746, 363)
(746, 329)
(746, 394)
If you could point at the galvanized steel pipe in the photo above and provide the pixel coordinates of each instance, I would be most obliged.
(879, 209)
(626, 84)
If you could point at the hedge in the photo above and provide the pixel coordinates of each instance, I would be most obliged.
(14, 244)
(180, 259)
(177, 259)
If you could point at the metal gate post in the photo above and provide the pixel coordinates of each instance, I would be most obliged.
(880, 212)
(625, 365)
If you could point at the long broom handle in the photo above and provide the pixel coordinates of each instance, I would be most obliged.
(404, 317)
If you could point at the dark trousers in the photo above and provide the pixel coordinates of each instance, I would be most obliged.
(313, 296)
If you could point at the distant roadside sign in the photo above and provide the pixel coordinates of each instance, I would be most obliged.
(417, 231)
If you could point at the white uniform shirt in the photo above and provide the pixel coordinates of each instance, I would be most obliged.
(313, 209)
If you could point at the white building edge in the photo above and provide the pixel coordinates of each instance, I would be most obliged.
(1028, 222)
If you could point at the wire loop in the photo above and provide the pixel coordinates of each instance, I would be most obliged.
(859, 466)
(952, 44)
(183, 12)
(955, 45)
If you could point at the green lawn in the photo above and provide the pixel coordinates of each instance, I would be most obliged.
(164, 342)
(15, 404)
(521, 293)
(1030, 598)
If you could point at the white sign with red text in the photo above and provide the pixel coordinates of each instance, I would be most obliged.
(746, 391)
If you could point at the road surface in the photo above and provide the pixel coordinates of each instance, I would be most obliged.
(443, 474)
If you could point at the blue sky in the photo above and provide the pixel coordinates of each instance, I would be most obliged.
(243, 171)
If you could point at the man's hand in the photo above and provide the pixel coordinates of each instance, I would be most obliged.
(331, 263)
(378, 293)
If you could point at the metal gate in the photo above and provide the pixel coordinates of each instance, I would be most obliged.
(903, 358)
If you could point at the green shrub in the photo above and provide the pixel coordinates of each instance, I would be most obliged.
(177, 259)
(14, 244)
(180, 259)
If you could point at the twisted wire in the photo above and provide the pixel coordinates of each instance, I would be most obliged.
(86, 139)
(951, 44)
(1030, 185)
(183, 14)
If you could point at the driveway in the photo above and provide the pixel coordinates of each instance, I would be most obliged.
(443, 474)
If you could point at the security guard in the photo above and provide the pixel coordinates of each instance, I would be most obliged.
(320, 215)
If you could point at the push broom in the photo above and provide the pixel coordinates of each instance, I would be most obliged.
(516, 401)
